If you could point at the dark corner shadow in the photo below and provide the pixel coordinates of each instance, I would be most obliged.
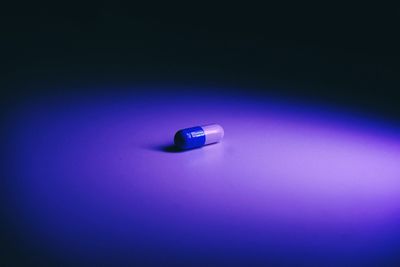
(168, 148)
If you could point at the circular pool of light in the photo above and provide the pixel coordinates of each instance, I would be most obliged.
(92, 179)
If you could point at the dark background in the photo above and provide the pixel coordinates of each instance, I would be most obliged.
(344, 55)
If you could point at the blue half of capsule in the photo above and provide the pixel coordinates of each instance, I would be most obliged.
(198, 136)
(190, 138)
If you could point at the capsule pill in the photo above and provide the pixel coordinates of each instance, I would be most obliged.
(198, 136)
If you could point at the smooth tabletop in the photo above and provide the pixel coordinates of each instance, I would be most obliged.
(94, 179)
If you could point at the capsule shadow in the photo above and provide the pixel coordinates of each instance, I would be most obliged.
(171, 148)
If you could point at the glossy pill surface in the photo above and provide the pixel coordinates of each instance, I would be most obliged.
(198, 136)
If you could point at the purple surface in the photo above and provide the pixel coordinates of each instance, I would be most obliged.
(94, 180)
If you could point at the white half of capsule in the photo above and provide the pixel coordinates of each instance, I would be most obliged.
(213, 132)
